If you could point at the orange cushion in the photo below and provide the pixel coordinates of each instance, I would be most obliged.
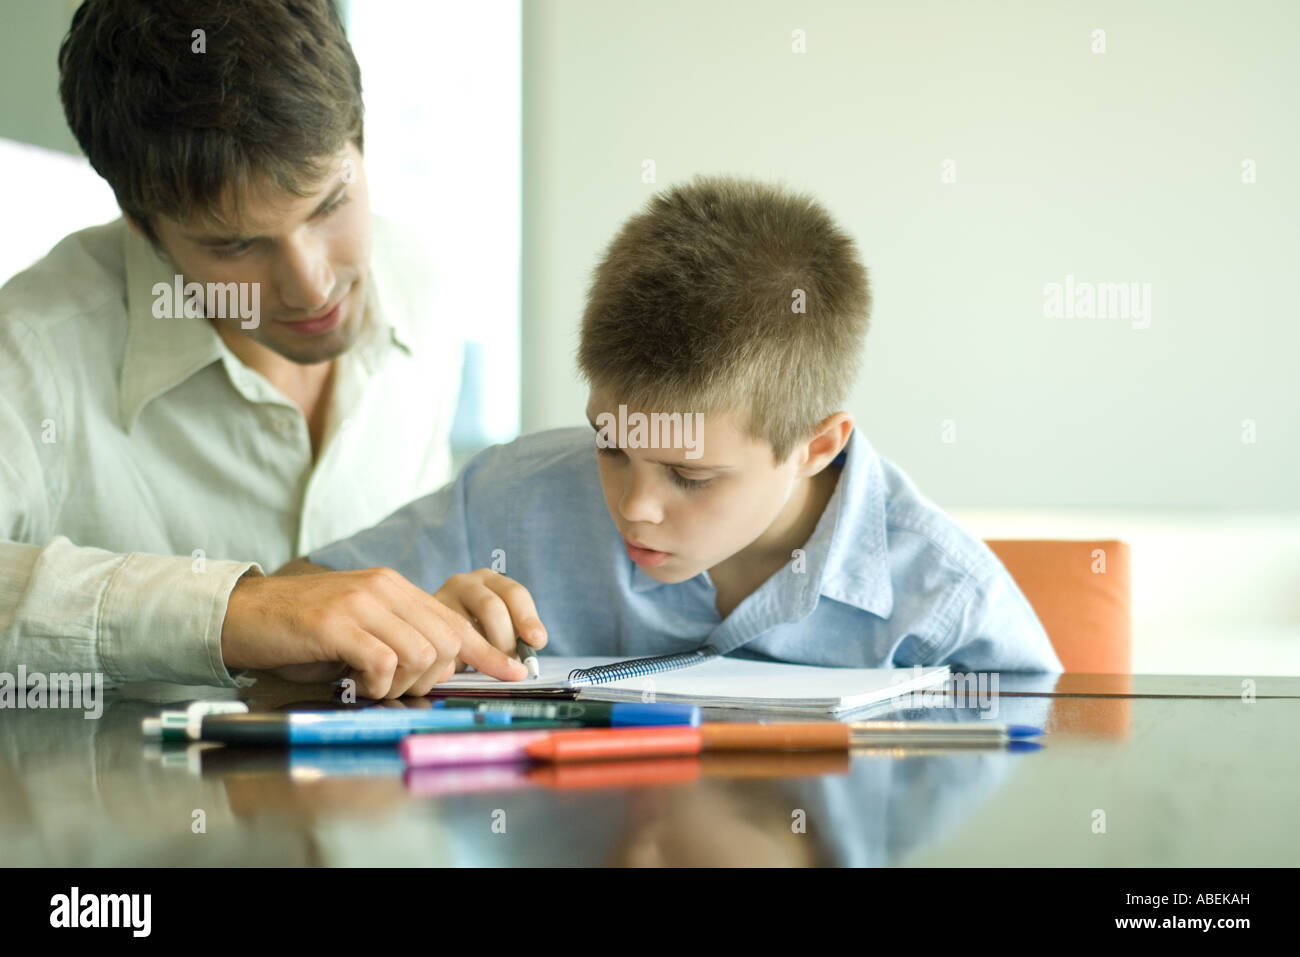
(1081, 592)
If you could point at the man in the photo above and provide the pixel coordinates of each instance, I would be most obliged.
(237, 370)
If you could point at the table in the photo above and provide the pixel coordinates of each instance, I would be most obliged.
(1136, 770)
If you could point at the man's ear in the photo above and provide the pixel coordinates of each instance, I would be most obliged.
(826, 442)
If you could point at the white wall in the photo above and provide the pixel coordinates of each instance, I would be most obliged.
(59, 194)
(442, 91)
(1213, 592)
(1114, 167)
(1122, 166)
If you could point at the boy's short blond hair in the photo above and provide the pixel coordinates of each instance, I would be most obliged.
(695, 307)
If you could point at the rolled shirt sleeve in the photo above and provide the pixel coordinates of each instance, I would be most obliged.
(130, 617)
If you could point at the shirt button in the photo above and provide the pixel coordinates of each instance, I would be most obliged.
(283, 424)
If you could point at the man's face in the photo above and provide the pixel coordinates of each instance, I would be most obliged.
(310, 255)
(691, 513)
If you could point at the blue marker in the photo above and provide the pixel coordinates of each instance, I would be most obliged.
(371, 726)
(307, 762)
(596, 714)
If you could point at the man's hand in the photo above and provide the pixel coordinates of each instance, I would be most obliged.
(499, 607)
(391, 636)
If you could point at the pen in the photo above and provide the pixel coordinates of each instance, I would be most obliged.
(528, 655)
(372, 726)
(813, 735)
(593, 714)
(905, 750)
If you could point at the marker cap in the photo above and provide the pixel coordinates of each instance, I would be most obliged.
(648, 714)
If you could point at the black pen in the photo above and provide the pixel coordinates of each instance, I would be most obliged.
(528, 655)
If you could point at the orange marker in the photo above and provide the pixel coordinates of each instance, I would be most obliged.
(598, 744)
(789, 736)
(590, 775)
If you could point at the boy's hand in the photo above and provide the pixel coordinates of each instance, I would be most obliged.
(499, 608)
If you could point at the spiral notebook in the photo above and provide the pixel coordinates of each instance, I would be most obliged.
(709, 680)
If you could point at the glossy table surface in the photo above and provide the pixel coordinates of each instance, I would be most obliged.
(1135, 770)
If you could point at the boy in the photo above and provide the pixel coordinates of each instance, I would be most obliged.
(748, 514)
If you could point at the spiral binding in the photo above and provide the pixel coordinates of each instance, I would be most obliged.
(635, 667)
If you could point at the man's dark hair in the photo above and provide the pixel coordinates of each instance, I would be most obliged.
(274, 94)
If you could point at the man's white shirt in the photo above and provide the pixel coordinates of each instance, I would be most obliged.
(144, 468)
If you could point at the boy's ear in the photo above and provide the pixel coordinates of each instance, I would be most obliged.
(826, 442)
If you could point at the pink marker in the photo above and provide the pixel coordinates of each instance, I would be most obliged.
(481, 747)
(442, 782)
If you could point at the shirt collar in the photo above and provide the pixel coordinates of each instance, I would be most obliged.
(161, 353)
(385, 322)
(851, 535)
(847, 556)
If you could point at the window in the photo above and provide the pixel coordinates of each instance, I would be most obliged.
(443, 100)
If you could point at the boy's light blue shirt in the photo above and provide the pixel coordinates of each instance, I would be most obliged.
(886, 580)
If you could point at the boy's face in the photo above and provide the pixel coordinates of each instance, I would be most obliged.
(681, 515)
(310, 256)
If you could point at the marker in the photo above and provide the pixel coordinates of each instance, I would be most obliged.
(372, 726)
(174, 725)
(598, 744)
(439, 782)
(168, 726)
(593, 714)
(528, 655)
(591, 744)
(301, 764)
(601, 775)
(650, 772)
(491, 747)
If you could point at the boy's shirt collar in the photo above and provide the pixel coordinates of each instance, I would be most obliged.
(851, 538)
(845, 559)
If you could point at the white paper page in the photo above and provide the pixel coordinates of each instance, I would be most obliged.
(554, 674)
(723, 678)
